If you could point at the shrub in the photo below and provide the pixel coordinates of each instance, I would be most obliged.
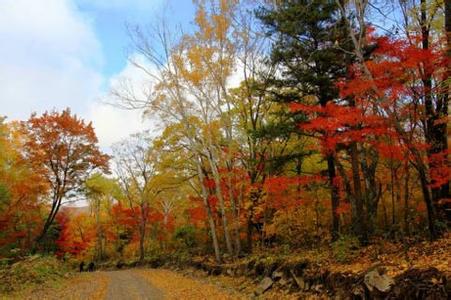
(186, 235)
(344, 248)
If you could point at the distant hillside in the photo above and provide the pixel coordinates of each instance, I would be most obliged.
(76, 210)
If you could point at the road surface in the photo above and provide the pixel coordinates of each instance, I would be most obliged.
(133, 284)
(130, 285)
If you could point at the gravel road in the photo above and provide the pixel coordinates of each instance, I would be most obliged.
(130, 285)
(133, 284)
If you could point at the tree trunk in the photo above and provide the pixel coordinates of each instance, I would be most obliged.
(406, 201)
(217, 179)
(207, 208)
(254, 197)
(373, 190)
(141, 241)
(398, 194)
(236, 220)
(249, 232)
(436, 132)
(392, 189)
(360, 223)
(142, 232)
(422, 169)
(99, 234)
(429, 205)
(334, 196)
(50, 218)
(384, 208)
(445, 193)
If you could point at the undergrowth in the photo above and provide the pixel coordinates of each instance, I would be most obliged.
(31, 272)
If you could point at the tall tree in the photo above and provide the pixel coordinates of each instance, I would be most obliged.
(179, 151)
(101, 192)
(64, 148)
(308, 51)
(426, 94)
(136, 165)
(447, 89)
(21, 191)
(435, 94)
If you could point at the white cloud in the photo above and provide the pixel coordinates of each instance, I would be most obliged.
(122, 4)
(113, 124)
(49, 57)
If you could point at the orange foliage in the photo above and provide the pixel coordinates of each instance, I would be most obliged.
(76, 234)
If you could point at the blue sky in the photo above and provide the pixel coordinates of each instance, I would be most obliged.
(109, 19)
(67, 53)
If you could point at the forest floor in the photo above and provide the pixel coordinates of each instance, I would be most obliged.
(153, 284)
(193, 283)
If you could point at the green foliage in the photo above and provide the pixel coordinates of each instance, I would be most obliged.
(48, 243)
(186, 235)
(98, 185)
(344, 249)
(308, 48)
(4, 196)
(31, 271)
(306, 41)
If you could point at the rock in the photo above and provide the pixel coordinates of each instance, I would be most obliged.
(300, 267)
(283, 281)
(421, 284)
(318, 288)
(358, 292)
(264, 285)
(299, 281)
(276, 275)
(374, 280)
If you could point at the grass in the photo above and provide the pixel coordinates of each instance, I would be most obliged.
(33, 271)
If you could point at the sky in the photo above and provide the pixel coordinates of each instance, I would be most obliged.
(68, 53)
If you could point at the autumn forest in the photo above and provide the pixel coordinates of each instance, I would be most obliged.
(295, 142)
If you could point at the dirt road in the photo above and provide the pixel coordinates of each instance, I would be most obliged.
(130, 285)
(135, 284)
